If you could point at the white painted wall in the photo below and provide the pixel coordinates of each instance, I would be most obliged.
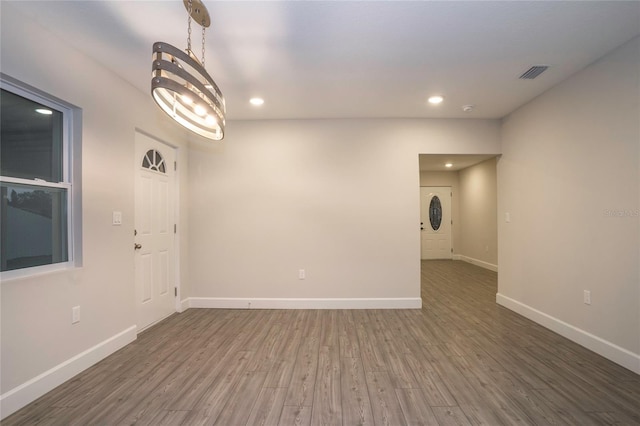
(37, 335)
(569, 178)
(478, 214)
(338, 198)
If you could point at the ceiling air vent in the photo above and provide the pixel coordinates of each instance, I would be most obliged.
(533, 72)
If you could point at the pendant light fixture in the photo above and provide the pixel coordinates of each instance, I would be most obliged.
(181, 86)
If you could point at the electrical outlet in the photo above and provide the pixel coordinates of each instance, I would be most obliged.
(75, 314)
(302, 274)
(587, 297)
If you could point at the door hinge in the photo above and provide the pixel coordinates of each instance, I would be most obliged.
(175, 165)
(175, 291)
(451, 249)
(175, 228)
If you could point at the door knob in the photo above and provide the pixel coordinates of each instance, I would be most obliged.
(137, 246)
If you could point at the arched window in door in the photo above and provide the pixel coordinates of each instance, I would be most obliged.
(153, 161)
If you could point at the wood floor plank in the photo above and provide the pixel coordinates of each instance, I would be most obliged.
(265, 356)
(313, 323)
(435, 390)
(329, 328)
(215, 379)
(295, 416)
(356, 405)
(564, 409)
(506, 389)
(303, 379)
(52, 417)
(413, 323)
(372, 357)
(393, 350)
(384, 401)
(238, 407)
(472, 403)
(327, 404)
(126, 397)
(262, 323)
(268, 407)
(599, 387)
(144, 410)
(87, 388)
(207, 403)
(415, 409)
(450, 416)
(504, 357)
(347, 335)
(166, 418)
(587, 398)
(281, 370)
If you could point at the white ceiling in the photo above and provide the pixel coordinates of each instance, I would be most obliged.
(335, 59)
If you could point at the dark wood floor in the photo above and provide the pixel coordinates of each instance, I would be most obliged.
(459, 360)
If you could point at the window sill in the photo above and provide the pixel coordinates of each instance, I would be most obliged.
(36, 271)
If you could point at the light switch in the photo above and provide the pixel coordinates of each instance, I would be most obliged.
(117, 218)
(507, 217)
(75, 314)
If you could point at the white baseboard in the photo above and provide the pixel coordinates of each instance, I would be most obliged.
(184, 305)
(269, 303)
(594, 343)
(18, 397)
(480, 263)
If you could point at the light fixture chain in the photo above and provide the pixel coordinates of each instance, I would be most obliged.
(203, 45)
(189, 26)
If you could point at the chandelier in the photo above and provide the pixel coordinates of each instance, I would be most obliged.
(181, 86)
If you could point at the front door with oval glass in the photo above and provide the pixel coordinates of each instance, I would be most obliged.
(435, 218)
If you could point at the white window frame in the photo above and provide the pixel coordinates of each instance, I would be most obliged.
(13, 86)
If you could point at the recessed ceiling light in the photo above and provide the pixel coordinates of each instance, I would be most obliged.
(448, 165)
(436, 99)
(44, 111)
(256, 101)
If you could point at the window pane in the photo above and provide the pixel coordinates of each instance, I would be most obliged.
(30, 141)
(435, 213)
(34, 226)
(153, 161)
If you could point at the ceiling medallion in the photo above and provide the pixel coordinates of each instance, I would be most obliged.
(181, 86)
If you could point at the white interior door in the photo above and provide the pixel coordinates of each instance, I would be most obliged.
(435, 218)
(154, 229)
